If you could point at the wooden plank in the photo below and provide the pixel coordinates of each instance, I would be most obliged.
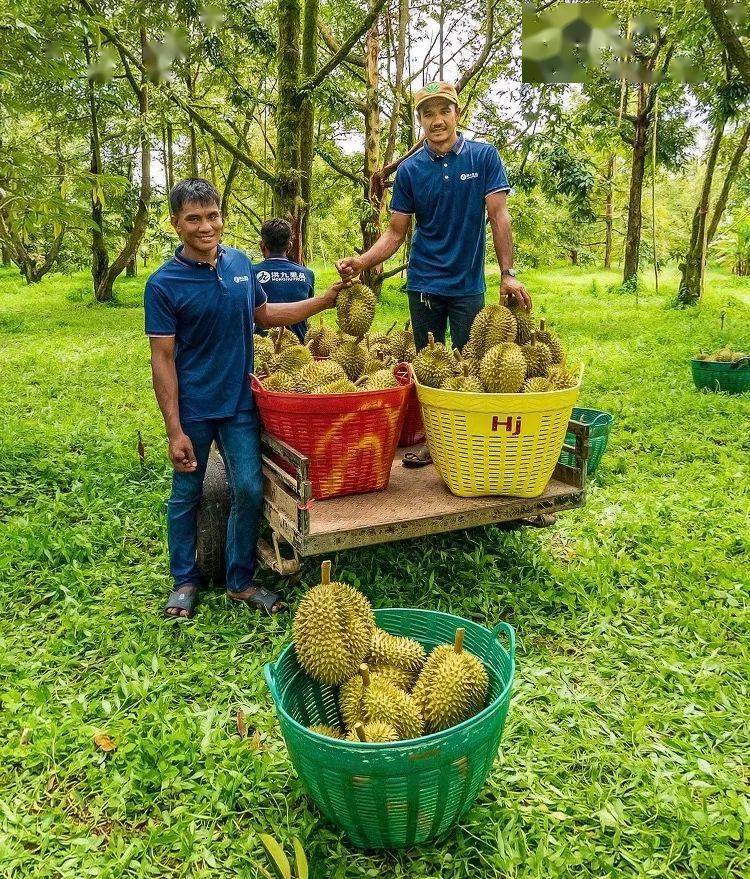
(273, 445)
(280, 500)
(276, 474)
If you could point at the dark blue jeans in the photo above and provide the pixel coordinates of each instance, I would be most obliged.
(431, 313)
(238, 439)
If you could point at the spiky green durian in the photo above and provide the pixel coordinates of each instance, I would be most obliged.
(281, 383)
(321, 340)
(525, 323)
(384, 702)
(317, 373)
(452, 688)
(724, 355)
(560, 378)
(342, 386)
(402, 345)
(322, 729)
(262, 352)
(378, 381)
(291, 359)
(355, 309)
(433, 364)
(493, 325)
(537, 385)
(396, 650)
(503, 369)
(352, 690)
(352, 356)
(379, 344)
(332, 630)
(538, 357)
(552, 341)
(373, 732)
(465, 382)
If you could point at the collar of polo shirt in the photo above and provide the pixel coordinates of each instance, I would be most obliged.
(196, 263)
(456, 148)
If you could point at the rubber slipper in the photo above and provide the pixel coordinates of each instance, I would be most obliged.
(261, 599)
(416, 459)
(183, 598)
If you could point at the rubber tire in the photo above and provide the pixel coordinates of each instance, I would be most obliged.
(213, 514)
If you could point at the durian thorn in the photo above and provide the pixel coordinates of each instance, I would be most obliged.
(325, 572)
(542, 323)
(360, 731)
(533, 337)
(364, 670)
(457, 354)
(277, 340)
(430, 340)
(458, 644)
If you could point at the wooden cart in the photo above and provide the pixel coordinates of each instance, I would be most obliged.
(415, 503)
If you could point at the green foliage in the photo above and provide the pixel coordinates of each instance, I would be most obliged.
(625, 749)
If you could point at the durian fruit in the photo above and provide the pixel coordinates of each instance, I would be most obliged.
(375, 361)
(352, 356)
(525, 323)
(281, 382)
(396, 650)
(283, 337)
(317, 373)
(404, 680)
(560, 378)
(494, 324)
(402, 345)
(724, 355)
(342, 386)
(263, 350)
(378, 381)
(702, 356)
(739, 355)
(322, 729)
(552, 341)
(321, 340)
(537, 385)
(384, 702)
(380, 343)
(332, 630)
(538, 357)
(503, 369)
(433, 364)
(372, 732)
(352, 690)
(453, 686)
(465, 382)
(355, 309)
(290, 358)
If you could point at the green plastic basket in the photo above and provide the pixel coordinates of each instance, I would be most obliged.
(401, 793)
(731, 378)
(600, 425)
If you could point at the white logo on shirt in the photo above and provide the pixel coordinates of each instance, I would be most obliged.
(470, 176)
(264, 277)
(238, 278)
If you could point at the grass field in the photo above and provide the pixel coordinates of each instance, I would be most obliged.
(626, 748)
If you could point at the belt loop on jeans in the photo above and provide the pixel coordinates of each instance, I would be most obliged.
(424, 299)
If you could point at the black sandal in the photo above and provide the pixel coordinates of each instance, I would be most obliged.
(261, 599)
(184, 597)
(417, 459)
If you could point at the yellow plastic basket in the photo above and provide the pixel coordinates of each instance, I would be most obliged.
(483, 444)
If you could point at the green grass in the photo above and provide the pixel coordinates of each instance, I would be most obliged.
(625, 753)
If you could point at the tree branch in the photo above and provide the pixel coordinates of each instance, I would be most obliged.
(738, 54)
(333, 44)
(358, 179)
(484, 53)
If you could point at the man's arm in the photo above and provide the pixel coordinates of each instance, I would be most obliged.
(164, 377)
(502, 238)
(284, 314)
(384, 248)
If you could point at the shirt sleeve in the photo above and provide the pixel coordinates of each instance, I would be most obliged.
(496, 180)
(161, 317)
(402, 199)
(311, 281)
(259, 294)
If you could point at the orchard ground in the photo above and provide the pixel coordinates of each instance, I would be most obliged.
(625, 752)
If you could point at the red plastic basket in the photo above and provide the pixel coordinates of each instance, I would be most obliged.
(412, 433)
(350, 439)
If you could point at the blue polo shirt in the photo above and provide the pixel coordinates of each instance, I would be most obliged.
(209, 311)
(446, 195)
(286, 281)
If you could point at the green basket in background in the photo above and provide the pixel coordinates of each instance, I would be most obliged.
(732, 378)
(600, 425)
(400, 793)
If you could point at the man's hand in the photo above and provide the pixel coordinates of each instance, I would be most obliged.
(350, 267)
(181, 453)
(331, 294)
(512, 289)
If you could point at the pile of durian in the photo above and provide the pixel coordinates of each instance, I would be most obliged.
(506, 354)
(389, 689)
(355, 359)
(723, 355)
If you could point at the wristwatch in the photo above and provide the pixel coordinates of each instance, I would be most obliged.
(511, 272)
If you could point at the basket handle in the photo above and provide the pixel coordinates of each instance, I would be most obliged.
(269, 673)
(742, 363)
(604, 415)
(508, 630)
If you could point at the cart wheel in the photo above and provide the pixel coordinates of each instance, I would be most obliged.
(212, 520)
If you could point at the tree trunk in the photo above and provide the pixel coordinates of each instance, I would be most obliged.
(731, 176)
(370, 223)
(635, 213)
(5, 255)
(689, 291)
(104, 292)
(307, 119)
(573, 256)
(170, 158)
(609, 213)
(286, 190)
(99, 256)
(403, 21)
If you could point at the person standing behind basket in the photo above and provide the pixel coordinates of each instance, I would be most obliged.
(281, 279)
(201, 309)
(450, 185)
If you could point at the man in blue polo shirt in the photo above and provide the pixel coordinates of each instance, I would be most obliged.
(201, 307)
(449, 185)
(282, 279)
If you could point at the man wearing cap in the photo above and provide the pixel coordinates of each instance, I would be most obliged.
(449, 185)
